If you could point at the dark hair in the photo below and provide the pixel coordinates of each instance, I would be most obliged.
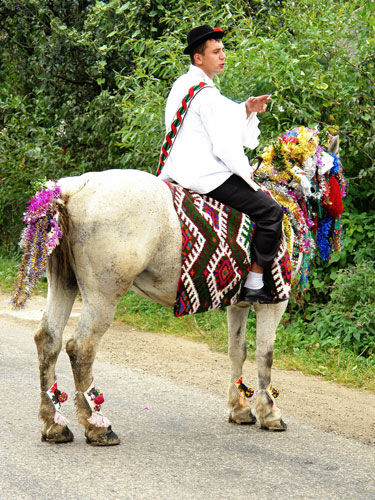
(199, 49)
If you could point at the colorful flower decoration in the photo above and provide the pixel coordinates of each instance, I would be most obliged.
(97, 397)
(57, 396)
(245, 391)
(275, 392)
(40, 237)
(309, 184)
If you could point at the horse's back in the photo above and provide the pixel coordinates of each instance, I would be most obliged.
(102, 194)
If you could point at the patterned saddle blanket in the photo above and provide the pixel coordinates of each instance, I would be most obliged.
(215, 254)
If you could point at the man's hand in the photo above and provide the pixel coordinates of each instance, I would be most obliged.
(257, 104)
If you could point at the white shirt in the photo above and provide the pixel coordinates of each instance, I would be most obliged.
(209, 145)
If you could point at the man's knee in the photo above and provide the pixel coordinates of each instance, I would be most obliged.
(277, 212)
(280, 213)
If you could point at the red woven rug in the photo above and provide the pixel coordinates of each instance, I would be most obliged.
(215, 254)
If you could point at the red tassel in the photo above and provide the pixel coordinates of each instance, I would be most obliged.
(63, 397)
(335, 207)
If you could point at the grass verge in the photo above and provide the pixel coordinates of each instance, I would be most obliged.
(292, 350)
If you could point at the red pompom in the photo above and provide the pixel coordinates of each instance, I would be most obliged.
(99, 399)
(335, 206)
(63, 397)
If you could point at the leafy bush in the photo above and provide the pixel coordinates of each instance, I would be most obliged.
(347, 319)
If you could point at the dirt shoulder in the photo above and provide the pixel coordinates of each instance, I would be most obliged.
(326, 405)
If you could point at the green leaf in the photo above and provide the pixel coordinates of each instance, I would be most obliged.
(321, 85)
(123, 7)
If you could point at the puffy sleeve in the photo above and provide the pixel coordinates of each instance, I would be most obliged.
(251, 131)
(229, 130)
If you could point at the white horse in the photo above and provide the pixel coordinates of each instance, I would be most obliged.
(121, 233)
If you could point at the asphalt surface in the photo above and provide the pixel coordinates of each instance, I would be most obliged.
(176, 442)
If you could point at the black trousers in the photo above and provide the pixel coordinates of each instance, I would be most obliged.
(263, 210)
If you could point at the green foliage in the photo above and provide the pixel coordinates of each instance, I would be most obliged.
(316, 59)
(347, 319)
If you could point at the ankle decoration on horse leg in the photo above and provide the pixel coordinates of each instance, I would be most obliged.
(95, 399)
(272, 393)
(245, 393)
(57, 397)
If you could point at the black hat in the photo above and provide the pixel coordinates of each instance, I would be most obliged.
(198, 35)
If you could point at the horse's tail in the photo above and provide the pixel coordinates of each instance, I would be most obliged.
(61, 260)
(45, 242)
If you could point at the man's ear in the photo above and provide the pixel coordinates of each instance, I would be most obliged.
(197, 59)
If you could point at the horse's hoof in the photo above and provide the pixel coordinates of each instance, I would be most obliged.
(57, 434)
(110, 438)
(277, 426)
(250, 420)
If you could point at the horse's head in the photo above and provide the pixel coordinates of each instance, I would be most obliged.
(302, 171)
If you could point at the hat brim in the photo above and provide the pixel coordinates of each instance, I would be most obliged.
(207, 36)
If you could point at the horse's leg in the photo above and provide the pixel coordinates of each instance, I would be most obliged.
(239, 410)
(97, 314)
(268, 317)
(48, 339)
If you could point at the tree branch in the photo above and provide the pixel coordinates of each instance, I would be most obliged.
(350, 139)
(76, 82)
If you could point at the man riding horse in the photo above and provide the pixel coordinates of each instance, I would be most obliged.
(208, 156)
(105, 233)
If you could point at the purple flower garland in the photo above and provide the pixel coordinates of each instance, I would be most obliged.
(40, 237)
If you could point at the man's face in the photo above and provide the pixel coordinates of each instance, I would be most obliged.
(212, 61)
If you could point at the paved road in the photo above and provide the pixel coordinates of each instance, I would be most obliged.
(180, 448)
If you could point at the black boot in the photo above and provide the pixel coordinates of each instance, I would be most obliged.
(261, 295)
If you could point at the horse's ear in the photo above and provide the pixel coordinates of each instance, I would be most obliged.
(334, 145)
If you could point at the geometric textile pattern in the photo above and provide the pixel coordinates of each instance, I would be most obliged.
(281, 273)
(215, 252)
